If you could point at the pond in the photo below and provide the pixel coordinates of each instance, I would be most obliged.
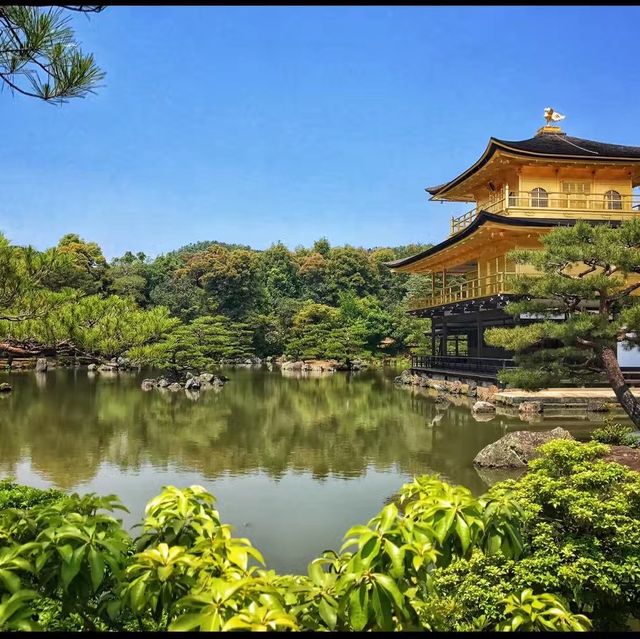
(293, 461)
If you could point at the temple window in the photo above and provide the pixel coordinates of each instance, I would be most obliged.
(539, 197)
(613, 200)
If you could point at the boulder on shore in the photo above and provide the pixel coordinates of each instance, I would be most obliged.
(293, 366)
(92, 368)
(41, 365)
(174, 387)
(514, 450)
(5, 388)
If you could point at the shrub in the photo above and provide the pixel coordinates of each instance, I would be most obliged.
(552, 551)
(616, 434)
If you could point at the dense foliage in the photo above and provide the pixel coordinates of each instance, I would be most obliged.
(557, 550)
(208, 301)
(587, 276)
(616, 434)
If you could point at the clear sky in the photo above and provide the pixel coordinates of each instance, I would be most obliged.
(254, 125)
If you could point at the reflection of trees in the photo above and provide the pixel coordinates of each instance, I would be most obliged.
(332, 425)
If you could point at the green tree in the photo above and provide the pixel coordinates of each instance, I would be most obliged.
(197, 346)
(279, 272)
(350, 269)
(313, 273)
(23, 271)
(40, 57)
(85, 269)
(367, 316)
(587, 275)
(230, 277)
(92, 325)
(128, 277)
(318, 331)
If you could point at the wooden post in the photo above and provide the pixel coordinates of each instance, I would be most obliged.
(443, 345)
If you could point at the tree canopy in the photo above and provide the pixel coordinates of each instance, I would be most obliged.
(207, 301)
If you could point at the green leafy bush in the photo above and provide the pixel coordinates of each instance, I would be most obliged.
(14, 495)
(556, 550)
(616, 434)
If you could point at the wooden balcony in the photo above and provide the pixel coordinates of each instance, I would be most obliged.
(475, 367)
(496, 284)
(593, 206)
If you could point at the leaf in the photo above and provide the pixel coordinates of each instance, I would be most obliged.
(387, 517)
(11, 580)
(186, 623)
(238, 556)
(137, 594)
(463, 532)
(164, 572)
(391, 587)
(69, 570)
(328, 613)
(96, 567)
(316, 574)
(358, 607)
(382, 608)
(370, 551)
(397, 558)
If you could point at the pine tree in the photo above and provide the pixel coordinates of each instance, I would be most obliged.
(39, 56)
(583, 300)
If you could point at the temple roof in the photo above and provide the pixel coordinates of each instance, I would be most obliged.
(482, 218)
(547, 144)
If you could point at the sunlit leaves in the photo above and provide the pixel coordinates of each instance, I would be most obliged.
(529, 612)
(190, 573)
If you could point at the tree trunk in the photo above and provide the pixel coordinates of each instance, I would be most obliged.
(629, 402)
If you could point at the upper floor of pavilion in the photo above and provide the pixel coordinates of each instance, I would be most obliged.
(549, 176)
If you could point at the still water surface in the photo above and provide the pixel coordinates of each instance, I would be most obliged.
(293, 461)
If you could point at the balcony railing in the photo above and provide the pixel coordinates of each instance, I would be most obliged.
(581, 205)
(454, 363)
(495, 284)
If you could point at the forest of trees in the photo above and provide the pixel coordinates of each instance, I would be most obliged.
(208, 301)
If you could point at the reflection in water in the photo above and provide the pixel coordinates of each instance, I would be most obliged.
(284, 454)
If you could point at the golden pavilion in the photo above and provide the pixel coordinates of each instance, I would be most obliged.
(518, 191)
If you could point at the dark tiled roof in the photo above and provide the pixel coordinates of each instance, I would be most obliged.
(482, 218)
(548, 145)
(434, 189)
(553, 144)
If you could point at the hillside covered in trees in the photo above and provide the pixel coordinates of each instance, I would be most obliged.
(208, 301)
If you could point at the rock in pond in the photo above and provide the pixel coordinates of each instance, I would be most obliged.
(148, 384)
(92, 368)
(174, 387)
(192, 384)
(514, 450)
(5, 388)
(483, 407)
(530, 407)
(163, 382)
(41, 365)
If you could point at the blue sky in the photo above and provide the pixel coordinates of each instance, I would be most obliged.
(254, 125)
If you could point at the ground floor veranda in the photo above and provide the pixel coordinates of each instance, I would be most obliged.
(458, 348)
